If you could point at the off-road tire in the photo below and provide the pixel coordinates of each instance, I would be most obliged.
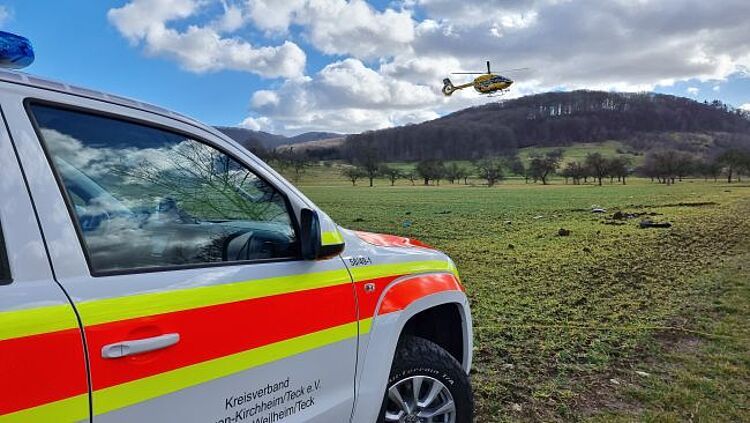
(419, 357)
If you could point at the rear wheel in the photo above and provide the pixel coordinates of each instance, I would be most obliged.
(426, 385)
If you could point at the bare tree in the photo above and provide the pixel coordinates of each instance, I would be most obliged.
(597, 166)
(542, 166)
(490, 169)
(352, 173)
(393, 174)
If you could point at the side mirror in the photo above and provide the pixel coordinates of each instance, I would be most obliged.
(310, 234)
(316, 242)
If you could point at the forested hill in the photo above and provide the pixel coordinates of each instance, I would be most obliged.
(552, 119)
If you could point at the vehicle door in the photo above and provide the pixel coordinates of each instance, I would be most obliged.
(183, 258)
(42, 361)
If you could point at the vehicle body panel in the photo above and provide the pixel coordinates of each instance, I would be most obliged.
(327, 328)
(42, 358)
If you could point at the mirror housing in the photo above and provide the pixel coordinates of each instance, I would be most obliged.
(316, 243)
(310, 234)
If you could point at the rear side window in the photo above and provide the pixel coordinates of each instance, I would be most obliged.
(148, 198)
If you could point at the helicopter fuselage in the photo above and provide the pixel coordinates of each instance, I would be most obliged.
(489, 83)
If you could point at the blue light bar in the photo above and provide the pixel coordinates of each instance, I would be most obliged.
(15, 51)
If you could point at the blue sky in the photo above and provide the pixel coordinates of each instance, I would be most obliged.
(347, 66)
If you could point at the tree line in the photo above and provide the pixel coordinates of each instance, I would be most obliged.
(666, 166)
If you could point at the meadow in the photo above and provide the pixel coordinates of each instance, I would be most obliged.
(580, 316)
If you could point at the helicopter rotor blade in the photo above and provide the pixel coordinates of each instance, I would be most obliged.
(514, 70)
(500, 71)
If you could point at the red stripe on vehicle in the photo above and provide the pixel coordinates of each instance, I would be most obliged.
(384, 240)
(406, 292)
(368, 297)
(39, 369)
(216, 331)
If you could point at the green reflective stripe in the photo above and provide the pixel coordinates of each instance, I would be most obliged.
(130, 393)
(67, 410)
(331, 238)
(363, 273)
(121, 308)
(34, 321)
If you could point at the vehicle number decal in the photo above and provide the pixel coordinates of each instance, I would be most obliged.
(360, 261)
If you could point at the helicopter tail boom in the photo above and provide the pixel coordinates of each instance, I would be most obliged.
(448, 87)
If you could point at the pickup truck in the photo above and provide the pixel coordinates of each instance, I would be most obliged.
(154, 270)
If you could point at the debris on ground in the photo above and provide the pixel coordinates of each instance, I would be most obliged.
(516, 407)
(538, 217)
(563, 232)
(648, 223)
(644, 374)
(598, 210)
(508, 222)
(614, 381)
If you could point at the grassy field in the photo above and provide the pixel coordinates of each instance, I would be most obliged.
(612, 322)
(578, 152)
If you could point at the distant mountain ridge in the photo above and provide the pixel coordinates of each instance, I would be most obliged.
(253, 140)
(554, 119)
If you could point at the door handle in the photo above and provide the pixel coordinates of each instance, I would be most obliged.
(138, 346)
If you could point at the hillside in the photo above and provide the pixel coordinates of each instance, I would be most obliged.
(639, 120)
(255, 140)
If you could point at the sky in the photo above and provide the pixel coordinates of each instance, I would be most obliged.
(292, 66)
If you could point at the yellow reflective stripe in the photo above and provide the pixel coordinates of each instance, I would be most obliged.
(362, 273)
(365, 325)
(331, 237)
(121, 308)
(17, 323)
(67, 410)
(33, 321)
(116, 397)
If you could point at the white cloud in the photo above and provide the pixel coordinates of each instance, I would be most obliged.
(344, 96)
(202, 48)
(338, 26)
(693, 91)
(745, 107)
(5, 15)
(593, 44)
(386, 64)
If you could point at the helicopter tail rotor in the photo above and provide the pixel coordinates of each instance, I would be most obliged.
(448, 87)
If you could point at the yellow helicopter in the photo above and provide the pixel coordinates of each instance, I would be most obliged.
(485, 83)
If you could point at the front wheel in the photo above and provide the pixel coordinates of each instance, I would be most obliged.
(426, 384)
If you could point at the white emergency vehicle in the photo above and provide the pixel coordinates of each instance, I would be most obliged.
(153, 270)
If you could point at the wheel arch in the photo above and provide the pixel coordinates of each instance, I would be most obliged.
(442, 324)
(378, 351)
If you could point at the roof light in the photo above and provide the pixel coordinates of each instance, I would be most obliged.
(15, 51)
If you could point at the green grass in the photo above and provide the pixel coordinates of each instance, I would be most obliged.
(558, 317)
(578, 152)
(699, 376)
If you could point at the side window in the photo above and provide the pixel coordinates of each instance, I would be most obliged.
(4, 267)
(149, 198)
